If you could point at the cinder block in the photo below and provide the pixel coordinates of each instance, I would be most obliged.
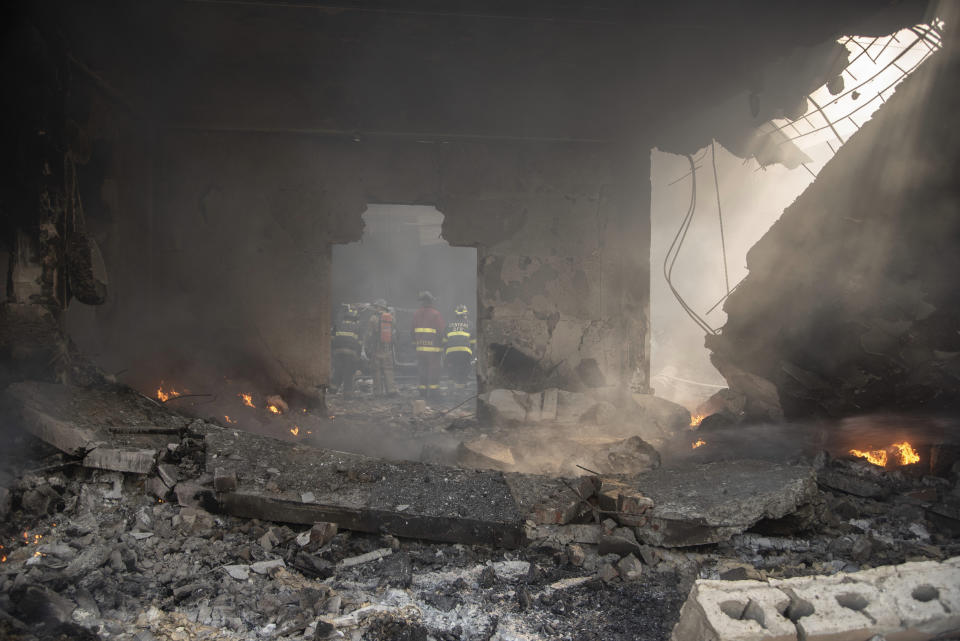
(843, 611)
(927, 599)
(734, 611)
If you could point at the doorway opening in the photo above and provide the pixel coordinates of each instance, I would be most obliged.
(401, 255)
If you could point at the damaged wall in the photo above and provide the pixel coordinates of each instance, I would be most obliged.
(851, 302)
(564, 299)
(242, 270)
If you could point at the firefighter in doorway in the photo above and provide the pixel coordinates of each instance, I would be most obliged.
(378, 345)
(427, 325)
(346, 350)
(458, 344)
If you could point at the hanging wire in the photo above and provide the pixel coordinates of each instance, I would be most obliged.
(674, 250)
(723, 242)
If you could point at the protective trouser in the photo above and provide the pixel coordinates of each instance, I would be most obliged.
(345, 363)
(458, 363)
(383, 373)
(429, 368)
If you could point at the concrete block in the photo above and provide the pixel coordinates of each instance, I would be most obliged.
(507, 405)
(168, 474)
(224, 481)
(118, 460)
(734, 610)
(845, 611)
(926, 596)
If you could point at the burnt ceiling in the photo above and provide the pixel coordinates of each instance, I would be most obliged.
(534, 70)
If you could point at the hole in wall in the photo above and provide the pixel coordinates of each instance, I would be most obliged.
(400, 255)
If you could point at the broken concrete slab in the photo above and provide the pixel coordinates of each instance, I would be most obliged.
(485, 453)
(38, 408)
(549, 500)
(708, 503)
(362, 493)
(849, 483)
(121, 460)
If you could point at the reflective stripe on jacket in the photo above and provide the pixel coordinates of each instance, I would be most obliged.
(427, 325)
(458, 338)
(347, 335)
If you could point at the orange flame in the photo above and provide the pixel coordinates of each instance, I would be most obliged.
(876, 457)
(4, 559)
(274, 409)
(700, 442)
(906, 453)
(696, 419)
(295, 430)
(247, 399)
(165, 395)
(228, 419)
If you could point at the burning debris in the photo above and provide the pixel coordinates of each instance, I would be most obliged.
(283, 553)
(897, 454)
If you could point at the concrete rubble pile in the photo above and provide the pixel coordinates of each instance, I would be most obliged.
(149, 525)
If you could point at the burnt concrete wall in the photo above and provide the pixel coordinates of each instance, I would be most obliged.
(564, 293)
(244, 225)
(851, 303)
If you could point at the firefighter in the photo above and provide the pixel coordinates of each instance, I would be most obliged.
(378, 345)
(427, 325)
(458, 345)
(346, 350)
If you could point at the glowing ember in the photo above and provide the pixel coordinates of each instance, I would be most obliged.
(907, 454)
(700, 442)
(247, 399)
(876, 457)
(228, 419)
(274, 409)
(295, 430)
(165, 395)
(4, 559)
(696, 419)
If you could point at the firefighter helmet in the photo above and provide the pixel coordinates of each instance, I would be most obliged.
(425, 297)
(382, 304)
(350, 311)
(461, 310)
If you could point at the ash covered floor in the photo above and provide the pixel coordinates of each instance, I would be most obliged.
(93, 553)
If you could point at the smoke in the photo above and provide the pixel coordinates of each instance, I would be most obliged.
(401, 253)
(751, 200)
(848, 82)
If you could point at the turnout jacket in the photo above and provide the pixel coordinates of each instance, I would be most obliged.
(427, 328)
(458, 337)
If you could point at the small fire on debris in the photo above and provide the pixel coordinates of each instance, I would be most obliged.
(698, 443)
(274, 409)
(228, 419)
(696, 419)
(898, 454)
(295, 430)
(165, 395)
(247, 399)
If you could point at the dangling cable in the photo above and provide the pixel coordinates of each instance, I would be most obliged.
(723, 242)
(674, 250)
